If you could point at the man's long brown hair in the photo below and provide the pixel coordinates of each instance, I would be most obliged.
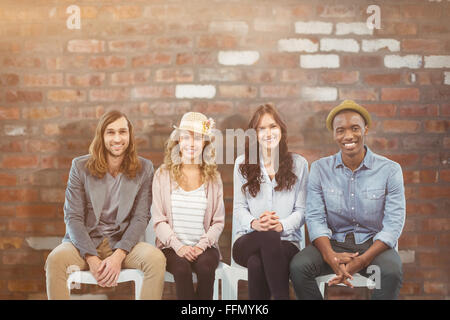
(97, 164)
(284, 177)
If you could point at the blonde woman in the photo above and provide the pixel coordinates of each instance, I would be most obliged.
(188, 210)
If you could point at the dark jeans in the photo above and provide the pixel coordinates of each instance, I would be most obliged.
(204, 267)
(309, 264)
(267, 258)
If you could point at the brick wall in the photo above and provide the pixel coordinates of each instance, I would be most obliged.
(158, 59)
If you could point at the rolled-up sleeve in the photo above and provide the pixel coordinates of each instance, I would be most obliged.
(394, 208)
(316, 218)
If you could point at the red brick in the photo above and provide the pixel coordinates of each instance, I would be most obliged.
(283, 60)
(85, 80)
(436, 224)
(439, 288)
(11, 146)
(421, 208)
(127, 45)
(23, 96)
(19, 161)
(6, 211)
(125, 12)
(436, 93)
(9, 79)
(360, 61)
(10, 243)
(7, 179)
(20, 257)
(444, 240)
(405, 160)
(41, 113)
(431, 159)
(22, 62)
(42, 145)
(444, 175)
(302, 11)
(336, 11)
(121, 94)
(9, 113)
(402, 126)
(445, 110)
(265, 76)
(434, 192)
(216, 107)
(410, 288)
(397, 29)
(423, 45)
(382, 79)
(418, 110)
(217, 41)
(173, 42)
(36, 228)
(380, 143)
(382, 110)
(196, 58)
(174, 75)
(41, 211)
(279, 91)
(151, 60)
(25, 285)
(368, 94)
(339, 77)
(18, 195)
(66, 95)
(401, 94)
(238, 91)
(109, 62)
(437, 126)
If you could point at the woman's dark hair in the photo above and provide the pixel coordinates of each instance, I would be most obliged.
(284, 177)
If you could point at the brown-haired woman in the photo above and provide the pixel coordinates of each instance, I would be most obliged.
(188, 210)
(269, 205)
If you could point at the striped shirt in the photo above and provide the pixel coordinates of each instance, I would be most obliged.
(188, 213)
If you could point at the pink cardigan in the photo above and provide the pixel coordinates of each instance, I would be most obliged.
(161, 211)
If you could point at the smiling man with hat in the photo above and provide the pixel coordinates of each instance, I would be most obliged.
(355, 212)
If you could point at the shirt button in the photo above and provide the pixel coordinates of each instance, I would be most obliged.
(353, 208)
(353, 194)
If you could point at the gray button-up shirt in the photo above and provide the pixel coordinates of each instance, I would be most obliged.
(369, 202)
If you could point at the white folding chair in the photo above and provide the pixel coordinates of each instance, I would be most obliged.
(358, 280)
(125, 275)
(236, 272)
(150, 237)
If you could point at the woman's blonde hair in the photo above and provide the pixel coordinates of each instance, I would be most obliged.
(97, 164)
(172, 158)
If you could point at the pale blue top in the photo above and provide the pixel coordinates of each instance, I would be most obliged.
(369, 202)
(288, 205)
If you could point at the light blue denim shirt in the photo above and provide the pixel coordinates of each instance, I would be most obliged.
(288, 205)
(370, 202)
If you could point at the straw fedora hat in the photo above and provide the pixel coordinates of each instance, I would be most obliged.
(196, 122)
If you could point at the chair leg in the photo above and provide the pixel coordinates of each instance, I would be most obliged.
(137, 288)
(322, 289)
(216, 290)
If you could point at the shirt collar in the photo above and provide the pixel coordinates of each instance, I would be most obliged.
(367, 161)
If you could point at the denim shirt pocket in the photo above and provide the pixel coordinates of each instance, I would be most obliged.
(373, 203)
(333, 200)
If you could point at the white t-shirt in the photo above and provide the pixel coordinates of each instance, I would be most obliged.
(188, 213)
